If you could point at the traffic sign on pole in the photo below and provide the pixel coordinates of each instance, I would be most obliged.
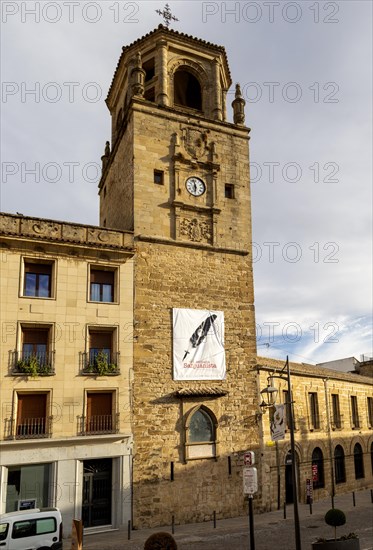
(250, 481)
(249, 458)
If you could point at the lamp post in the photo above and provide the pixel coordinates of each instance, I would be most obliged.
(269, 395)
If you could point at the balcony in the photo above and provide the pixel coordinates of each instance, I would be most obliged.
(99, 364)
(33, 364)
(98, 424)
(29, 428)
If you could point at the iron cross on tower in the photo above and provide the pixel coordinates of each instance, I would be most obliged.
(167, 15)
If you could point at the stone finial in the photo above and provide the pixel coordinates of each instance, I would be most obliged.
(138, 63)
(105, 157)
(238, 105)
(138, 77)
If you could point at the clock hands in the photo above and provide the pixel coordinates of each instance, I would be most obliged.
(195, 186)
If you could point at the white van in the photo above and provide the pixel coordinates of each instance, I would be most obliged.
(38, 529)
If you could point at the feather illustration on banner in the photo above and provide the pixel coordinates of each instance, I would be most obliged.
(200, 333)
(198, 344)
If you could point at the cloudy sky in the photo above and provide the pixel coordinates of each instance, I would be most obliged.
(305, 72)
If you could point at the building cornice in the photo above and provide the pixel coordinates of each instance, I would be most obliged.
(24, 228)
(312, 371)
(194, 245)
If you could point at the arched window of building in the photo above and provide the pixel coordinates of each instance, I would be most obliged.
(339, 464)
(358, 461)
(318, 468)
(200, 427)
(187, 90)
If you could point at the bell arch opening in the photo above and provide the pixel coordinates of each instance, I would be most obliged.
(187, 90)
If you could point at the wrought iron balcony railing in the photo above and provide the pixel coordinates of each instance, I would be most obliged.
(100, 363)
(98, 424)
(33, 364)
(28, 428)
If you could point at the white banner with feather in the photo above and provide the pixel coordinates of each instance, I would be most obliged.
(198, 344)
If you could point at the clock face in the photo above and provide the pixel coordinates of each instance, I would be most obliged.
(195, 186)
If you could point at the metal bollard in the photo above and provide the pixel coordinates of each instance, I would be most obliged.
(173, 525)
(310, 508)
(371, 495)
(353, 498)
(214, 519)
(284, 510)
(129, 530)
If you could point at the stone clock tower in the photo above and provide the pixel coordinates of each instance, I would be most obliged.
(177, 175)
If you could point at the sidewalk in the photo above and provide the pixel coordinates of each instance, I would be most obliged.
(271, 530)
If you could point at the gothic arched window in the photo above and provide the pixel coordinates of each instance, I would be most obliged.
(200, 429)
(318, 468)
(339, 464)
(187, 90)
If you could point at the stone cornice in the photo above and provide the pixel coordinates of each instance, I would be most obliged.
(59, 232)
(186, 244)
(189, 119)
(195, 208)
(65, 441)
(311, 371)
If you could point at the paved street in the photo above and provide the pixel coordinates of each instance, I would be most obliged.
(272, 531)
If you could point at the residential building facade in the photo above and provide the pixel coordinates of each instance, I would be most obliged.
(66, 363)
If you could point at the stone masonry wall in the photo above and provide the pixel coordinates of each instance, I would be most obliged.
(169, 276)
(116, 194)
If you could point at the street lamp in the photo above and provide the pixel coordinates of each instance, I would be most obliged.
(269, 395)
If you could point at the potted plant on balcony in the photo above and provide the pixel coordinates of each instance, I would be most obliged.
(100, 365)
(33, 366)
(335, 518)
(29, 366)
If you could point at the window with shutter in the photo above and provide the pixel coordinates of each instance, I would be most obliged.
(99, 417)
(31, 415)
